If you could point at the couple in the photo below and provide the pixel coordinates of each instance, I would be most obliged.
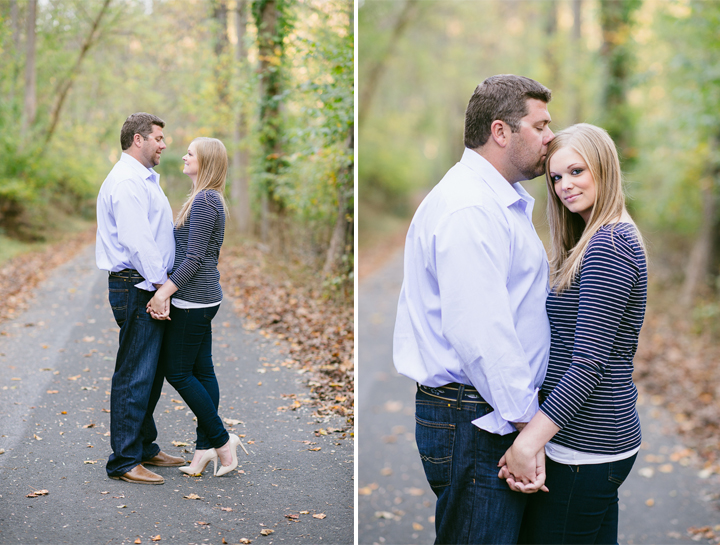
(486, 339)
(165, 321)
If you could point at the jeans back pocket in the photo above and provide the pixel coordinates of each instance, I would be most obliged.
(435, 443)
(119, 303)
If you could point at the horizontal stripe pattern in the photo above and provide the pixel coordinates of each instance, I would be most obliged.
(595, 325)
(197, 249)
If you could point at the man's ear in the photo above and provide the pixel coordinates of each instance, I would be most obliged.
(138, 140)
(500, 132)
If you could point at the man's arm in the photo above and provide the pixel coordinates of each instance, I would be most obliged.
(472, 256)
(131, 207)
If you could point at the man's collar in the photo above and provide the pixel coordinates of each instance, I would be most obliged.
(507, 194)
(136, 165)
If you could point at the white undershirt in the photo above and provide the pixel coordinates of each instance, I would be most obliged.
(565, 455)
(179, 303)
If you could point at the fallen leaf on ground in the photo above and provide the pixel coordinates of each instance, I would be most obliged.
(304, 512)
(417, 526)
(319, 516)
(38, 493)
(91, 425)
(36, 437)
(232, 422)
(90, 462)
(201, 523)
(228, 509)
(245, 541)
(314, 449)
(650, 502)
(192, 496)
(180, 443)
(156, 538)
(52, 391)
(138, 540)
(266, 532)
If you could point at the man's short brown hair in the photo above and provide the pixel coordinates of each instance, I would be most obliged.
(140, 123)
(502, 97)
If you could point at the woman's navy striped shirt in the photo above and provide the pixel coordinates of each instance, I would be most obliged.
(197, 249)
(595, 326)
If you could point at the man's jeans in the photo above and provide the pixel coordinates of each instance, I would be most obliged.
(186, 361)
(136, 384)
(581, 507)
(474, 505)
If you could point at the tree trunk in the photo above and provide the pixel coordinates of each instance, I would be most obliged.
(616, 18)
(15, 26)
(272, 28)
(700, 264)
(337, 247)
(222, 44)
(553, 65)
(63, 88)
(577, 102)
(375, 71)
(240, 187)
(30, 107)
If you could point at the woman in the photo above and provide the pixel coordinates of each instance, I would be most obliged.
(186, 356)
(588, 423)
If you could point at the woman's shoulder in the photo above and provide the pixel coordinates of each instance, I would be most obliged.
(616, 238)
(207, 197)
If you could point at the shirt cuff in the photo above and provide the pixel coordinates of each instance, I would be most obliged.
(494, 423)
(149, 286)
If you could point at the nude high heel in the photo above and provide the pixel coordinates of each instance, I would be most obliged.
(210, 454)
(233, 442)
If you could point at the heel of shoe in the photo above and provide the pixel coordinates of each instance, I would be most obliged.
(234, 442)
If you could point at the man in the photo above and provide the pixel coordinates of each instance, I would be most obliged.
(135, 243)
(471, 327)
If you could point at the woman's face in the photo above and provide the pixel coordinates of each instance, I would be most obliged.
(573, 183)
(191, 162)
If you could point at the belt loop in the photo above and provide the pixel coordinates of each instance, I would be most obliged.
(461, 392)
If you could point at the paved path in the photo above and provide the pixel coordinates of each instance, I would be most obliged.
(56, 361)
(396, 505)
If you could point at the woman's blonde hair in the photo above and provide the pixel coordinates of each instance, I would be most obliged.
(569, 234)
(212, 170)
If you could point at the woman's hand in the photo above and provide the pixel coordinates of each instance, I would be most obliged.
(159, 308)
(522, 483)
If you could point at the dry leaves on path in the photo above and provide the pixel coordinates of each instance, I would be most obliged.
(317, 333)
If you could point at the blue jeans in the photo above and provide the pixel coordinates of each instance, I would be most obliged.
(460, 462)
(136, 383)
(186, 360)
(581, 507)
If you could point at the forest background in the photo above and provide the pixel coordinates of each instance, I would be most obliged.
(646, 70)
(273, 79)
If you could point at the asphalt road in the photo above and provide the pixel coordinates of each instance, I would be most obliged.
(56, 361)
(666, 493)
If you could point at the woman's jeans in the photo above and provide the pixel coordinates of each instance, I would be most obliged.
(581, 507)
(137, 381)
(460, 460)
(186, 360)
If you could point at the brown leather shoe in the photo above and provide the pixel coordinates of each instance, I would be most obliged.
(140, 475)
(165, 460)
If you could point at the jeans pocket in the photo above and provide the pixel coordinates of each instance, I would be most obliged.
(618, 471)
(435, 443)
(210, 312)
(119, 303)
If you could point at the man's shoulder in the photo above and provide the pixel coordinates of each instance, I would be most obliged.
(460, 189)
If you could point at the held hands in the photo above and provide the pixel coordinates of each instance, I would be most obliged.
(159, 308)
(523, 471)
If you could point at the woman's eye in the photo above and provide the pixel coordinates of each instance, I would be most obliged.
(555, 178)
(576, 171)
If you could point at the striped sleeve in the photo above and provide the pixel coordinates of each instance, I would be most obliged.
(608, 276)
(203, 216)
